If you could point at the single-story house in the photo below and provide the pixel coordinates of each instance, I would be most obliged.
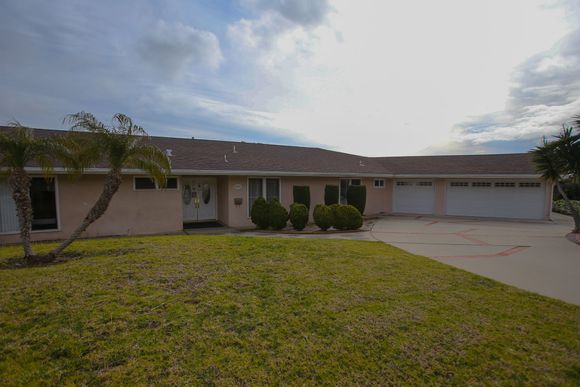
(219, 180)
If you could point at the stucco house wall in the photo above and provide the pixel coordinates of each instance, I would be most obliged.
(130, 212)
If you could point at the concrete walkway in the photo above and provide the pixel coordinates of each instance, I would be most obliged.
(534, 256)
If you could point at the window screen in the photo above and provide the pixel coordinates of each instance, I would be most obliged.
(171, 183)
(144, 183)
(43, 197)
(272, 189)
(254, 191)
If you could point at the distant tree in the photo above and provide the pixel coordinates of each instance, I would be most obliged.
(559, 160)
(18, 148)
(120, 145)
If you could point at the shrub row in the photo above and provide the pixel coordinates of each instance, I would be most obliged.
(339, 216)
(273, 215)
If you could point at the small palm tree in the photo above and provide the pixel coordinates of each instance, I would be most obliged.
(559, 160)
(18, 148)
(121, 145)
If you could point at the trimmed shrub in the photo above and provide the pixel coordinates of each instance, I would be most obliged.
(302, 195)
(330, 194)
(561, 206)
(334, 212)
(259, 214)
(298, 216)
(356, 196)
(348, 218)
(323, 216)
(277, 215)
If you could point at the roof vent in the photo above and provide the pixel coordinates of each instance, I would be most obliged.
(361, 164)
(235, 151)
(169, 152)
(226, 158)
(193, 138)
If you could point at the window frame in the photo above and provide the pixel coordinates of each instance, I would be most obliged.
(157, 187)
(264, 189)
(381, 185)
(57, 205)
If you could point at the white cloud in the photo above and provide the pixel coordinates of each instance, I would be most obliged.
(174, 48)
(382, 78)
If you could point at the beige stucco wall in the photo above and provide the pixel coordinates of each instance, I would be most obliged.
(130, 212)
(222, 199)
(379, 200)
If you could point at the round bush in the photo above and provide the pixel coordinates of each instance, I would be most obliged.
(298, 216)
(347, 217)
(323, 216)
(277, 215)
(259, 213)
(334, 212)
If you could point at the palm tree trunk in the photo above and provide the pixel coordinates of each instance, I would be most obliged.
(113, 181)
(20, 184)
(571, 207)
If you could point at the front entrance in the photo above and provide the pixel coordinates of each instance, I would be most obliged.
(199, 195)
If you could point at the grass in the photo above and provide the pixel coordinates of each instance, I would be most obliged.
(239, 310)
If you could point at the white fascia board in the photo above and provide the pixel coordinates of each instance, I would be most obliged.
(197, 172)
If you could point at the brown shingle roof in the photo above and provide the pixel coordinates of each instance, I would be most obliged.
(498, 164)
(220, 157)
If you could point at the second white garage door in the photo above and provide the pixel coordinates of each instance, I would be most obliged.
(500, 199)
(413, 197)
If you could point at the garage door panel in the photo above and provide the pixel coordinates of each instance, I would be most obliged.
(413, 197)
(523, 202)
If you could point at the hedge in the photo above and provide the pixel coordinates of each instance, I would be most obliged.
(561, 206)
(331, 194)
(348, 218)
(298, 216)
(323, 216)
(259, 213)
(277, 215)
(356, 196)
(302, 195)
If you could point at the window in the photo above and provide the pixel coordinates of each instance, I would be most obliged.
(44, 207)
(171, 183)
(530, 185)
(481, 184)
(425, 183)
(267, 188)
(404, 183)
(43, 197)
(147, 183)
(144, 183)
(505, 184)
(379, 183)
(459, 184)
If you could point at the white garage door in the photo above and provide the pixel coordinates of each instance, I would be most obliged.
(414, 197)
(500, 199)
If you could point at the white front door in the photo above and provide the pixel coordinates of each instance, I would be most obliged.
(199, 195)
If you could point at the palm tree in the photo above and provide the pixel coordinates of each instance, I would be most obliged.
(120, 145)
(19, 148)
(559, 160)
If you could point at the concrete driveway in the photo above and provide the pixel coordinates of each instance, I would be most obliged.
(534, 256)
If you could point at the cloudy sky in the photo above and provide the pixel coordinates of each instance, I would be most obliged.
(368, 77)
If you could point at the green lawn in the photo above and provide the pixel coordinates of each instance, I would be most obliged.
(240, 310)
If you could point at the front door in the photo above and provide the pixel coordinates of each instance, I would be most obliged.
(199, 196)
